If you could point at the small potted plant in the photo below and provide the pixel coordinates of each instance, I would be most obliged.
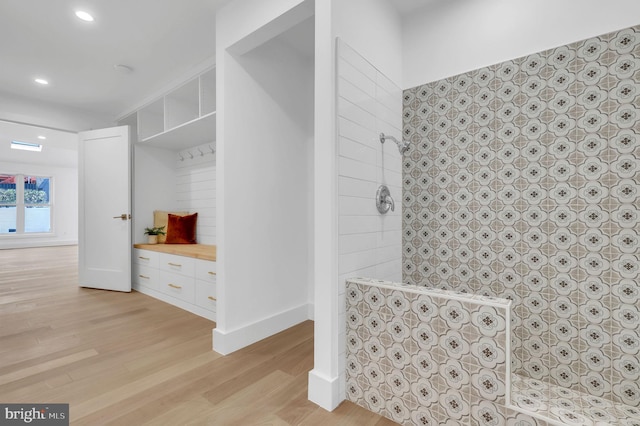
(152, 234)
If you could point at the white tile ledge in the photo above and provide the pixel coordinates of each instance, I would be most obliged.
(446, 294)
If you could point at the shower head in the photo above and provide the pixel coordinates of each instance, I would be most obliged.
(402, 146)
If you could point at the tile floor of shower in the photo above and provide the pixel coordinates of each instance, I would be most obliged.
(567, 407)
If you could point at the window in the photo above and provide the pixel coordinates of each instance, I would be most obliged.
(25, 204)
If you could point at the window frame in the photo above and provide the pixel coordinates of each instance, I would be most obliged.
(21, 206)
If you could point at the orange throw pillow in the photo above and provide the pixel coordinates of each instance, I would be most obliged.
(161, 218)
(181, 229)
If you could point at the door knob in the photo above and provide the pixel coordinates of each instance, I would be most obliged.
(123, 216)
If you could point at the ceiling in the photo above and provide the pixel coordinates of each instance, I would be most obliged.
(58, 149)
(406, 7)
(160, 40)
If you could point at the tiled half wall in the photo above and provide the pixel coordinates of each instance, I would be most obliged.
(523, 182)
(425, 356)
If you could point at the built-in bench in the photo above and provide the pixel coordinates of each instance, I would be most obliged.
(183, 275)
(199, 251)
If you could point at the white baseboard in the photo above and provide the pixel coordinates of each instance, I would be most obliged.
(15, 243)
(324, 391)
(230, 341)
(311, 312)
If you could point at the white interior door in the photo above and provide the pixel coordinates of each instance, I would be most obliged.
(104, 199)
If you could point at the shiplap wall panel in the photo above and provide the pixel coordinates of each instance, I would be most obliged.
(196, 189)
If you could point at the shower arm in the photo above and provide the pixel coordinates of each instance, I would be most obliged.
(402, 146)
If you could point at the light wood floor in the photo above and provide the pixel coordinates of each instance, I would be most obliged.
(128, 359)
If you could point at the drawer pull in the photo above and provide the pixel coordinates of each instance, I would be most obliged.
(212, 298)
(174, 286)
(211, 273)
(144, 276)
(174, 264)
(143, 258)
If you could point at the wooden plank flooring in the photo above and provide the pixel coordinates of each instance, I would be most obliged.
(128, 359)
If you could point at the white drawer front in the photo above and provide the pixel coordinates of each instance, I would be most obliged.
(206, 270)
(145, 257)
(178, 286)
(206, 295)
(145, 276)
(177, 264)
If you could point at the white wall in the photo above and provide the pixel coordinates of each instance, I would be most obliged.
(324, 380)
(265, 124)
(447, 38)
(373, 29)
(154, 186)
(64, 202)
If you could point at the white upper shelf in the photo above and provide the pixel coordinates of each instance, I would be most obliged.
(182, 118)
(195, 132)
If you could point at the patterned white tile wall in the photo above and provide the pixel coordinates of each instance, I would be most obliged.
(523, 182)
(368, 103)
(196, 188)
(427, 357)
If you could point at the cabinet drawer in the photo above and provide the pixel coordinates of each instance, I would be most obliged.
(177, 264)
(206, 295)
(177, 285)
(145, 276)
(206, 270)
(145, 257)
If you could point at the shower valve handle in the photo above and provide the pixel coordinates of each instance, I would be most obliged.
(384, 201)
(390, 202)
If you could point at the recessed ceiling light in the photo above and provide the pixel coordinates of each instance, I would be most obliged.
(84, 16)
(41, 81)
(26, 146)
(42, 137)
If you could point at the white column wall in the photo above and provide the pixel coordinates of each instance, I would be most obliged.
(373, 29)
(447, 38)
(324, 383)
(264, 129)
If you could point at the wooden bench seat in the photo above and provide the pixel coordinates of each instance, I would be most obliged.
(198, 251)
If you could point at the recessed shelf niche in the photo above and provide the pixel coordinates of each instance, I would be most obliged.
(182, 118)
(208, 92)
(151, 119)
(182, 105)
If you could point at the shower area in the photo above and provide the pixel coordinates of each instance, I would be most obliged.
(518, 203)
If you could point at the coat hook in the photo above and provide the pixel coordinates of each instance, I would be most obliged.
(213, 151)
(181, 157)
(201, 153)
(190, 154)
